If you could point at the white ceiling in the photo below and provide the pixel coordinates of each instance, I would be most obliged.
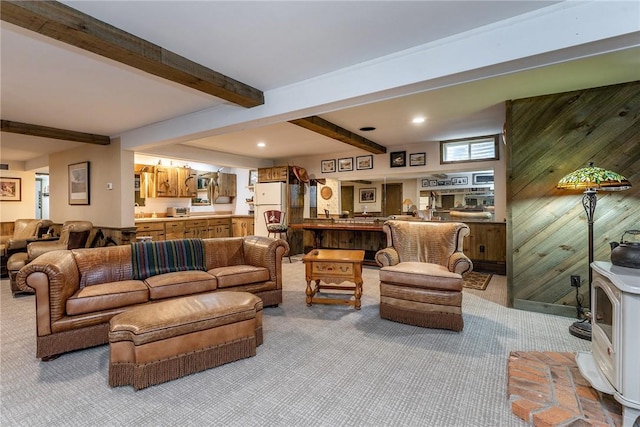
(271, 45)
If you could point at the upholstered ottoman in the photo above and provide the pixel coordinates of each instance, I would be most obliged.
(159, 342)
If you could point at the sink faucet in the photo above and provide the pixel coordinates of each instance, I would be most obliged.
(137, 213)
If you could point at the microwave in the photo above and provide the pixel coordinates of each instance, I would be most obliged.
(178, 211)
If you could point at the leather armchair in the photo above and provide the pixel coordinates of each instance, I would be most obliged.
(421, 274)
(73, 235)
(23, 230)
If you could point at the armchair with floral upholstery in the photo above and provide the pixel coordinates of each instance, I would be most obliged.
(421, 273)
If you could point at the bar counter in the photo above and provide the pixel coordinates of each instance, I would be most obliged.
(365, 234)
(486, 245)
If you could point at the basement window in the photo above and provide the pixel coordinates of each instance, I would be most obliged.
(475, 149)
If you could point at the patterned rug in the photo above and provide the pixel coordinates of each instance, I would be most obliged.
(476, 280)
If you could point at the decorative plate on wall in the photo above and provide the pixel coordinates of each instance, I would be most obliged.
(326, 193)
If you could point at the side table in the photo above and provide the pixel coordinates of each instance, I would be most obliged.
(333, 267)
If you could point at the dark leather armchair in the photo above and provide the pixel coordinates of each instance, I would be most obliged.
(421, 274)
(23, 230)
(73, 235)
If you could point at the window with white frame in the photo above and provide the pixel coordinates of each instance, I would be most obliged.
(469, 149)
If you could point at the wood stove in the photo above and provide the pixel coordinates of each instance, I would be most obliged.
(613, 366)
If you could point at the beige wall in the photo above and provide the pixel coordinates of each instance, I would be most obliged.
(108, 164)
(10, 211)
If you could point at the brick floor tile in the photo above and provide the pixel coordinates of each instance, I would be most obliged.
(526, 375)
(543, 388)
(592, 410)
(523, 408)
(532, 363)
(587, 392)
(533, 368)
(584, 423)
(561, 375)
(533, 396)
(552, 417)
(562, 359)
(565, 397)
(578, 378)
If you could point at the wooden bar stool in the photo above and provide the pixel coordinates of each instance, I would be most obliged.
(277, 225)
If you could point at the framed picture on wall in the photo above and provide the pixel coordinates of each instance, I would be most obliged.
(10, 189)
(398, 159)
(79, 184)
(460, 180)
(367, 195)
(345, 164)
(417, 159)
(364, 162)
(328, 166)
(253, 177)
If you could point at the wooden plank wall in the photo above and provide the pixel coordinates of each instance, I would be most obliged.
(549, 137)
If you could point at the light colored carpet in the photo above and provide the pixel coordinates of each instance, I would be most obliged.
(325, 365)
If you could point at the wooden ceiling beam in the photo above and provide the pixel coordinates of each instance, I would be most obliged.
(55, 133)
(326, 128)
(68, 25)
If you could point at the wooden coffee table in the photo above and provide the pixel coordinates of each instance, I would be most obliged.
(334, 266)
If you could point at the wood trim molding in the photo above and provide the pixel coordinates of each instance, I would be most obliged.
(326, 128)
(68, 25)
(55, 133)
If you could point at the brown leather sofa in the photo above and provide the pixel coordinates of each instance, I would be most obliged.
(421, 274)
(78, 291)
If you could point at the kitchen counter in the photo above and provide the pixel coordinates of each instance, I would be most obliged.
(187, 218)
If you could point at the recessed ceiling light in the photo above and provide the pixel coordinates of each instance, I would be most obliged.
(261, 144)
(418, 120)
(367, 128)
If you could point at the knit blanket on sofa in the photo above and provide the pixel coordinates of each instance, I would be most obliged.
(153, 258)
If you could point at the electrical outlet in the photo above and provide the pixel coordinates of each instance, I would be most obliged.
(575, 281)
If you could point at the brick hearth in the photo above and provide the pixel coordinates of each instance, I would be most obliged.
(547, 389)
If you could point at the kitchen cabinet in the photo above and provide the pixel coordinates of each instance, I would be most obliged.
(274, 174)
(187, 182)
(227, 185)
(196, 229)
(219, 227)
(241, 227)
(174, 230)
(174, 182)
(166, 181)
(155, 230)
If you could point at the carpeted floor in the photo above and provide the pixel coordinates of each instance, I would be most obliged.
(325, 365)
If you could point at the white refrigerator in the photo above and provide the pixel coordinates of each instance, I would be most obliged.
(268, 196)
